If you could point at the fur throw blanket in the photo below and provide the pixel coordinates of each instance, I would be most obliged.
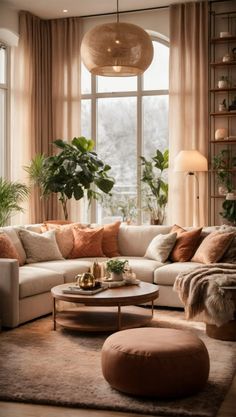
(201, 291)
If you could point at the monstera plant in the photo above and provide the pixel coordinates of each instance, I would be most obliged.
(75, 171)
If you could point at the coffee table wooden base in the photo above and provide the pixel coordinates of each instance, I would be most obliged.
(103, 319)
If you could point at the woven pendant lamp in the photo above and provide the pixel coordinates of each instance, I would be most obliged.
(117, 49)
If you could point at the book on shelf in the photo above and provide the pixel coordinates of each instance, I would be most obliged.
(77, 290)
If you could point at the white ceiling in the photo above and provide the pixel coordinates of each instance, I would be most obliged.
(49, 9)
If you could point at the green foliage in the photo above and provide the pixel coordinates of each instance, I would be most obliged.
(157, 197)
(229, 211)
(72, 172)
(116, 265)
(221, 163)
(12, 194)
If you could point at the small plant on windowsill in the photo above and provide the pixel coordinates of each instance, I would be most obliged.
(116, 268)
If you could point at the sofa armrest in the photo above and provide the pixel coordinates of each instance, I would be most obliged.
(9, 292)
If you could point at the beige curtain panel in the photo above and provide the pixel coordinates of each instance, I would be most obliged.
(188, 116)
(45, 98)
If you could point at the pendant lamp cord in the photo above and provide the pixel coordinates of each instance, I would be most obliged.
(117, 13)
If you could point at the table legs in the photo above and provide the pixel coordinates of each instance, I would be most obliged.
(54, 314)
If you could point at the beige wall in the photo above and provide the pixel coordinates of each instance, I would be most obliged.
(8, 24)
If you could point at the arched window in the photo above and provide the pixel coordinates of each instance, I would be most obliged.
(4, 100)
(127, 117)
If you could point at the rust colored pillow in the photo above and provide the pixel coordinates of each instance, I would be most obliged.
(64, 235)
(186, 243)
(213, 247)
(7, 249)
(110, 239)
(44, 227)
(87, 243)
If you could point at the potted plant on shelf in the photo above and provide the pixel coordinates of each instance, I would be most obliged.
(156, 191)
(12, 194)
(229, 209)
(222, 163)
(116, 268)
(73, 172)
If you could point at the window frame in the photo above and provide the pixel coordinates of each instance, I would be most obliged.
(94, 95)
(6, 139)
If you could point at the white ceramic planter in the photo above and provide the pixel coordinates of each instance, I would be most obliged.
(116, 277)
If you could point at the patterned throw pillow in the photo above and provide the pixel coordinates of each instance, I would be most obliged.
(213, 247)
(160, 247)
(186, 243)
(40, 247)
(7, 249)
(87, 243)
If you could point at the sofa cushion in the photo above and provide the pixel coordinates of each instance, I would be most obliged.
(165, 275)
(7, 249)
(33, 281)
(143, 268)
(134, 240)
(186, 243)
(160, 247)
(12, 233)
(40, 247)
(69, 268)
(87, 243)
(230, 254)
(110, 239)
(213, 247)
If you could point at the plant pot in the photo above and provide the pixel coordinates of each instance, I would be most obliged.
(116, 277)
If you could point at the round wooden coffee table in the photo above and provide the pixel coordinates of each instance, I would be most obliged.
(102, 311)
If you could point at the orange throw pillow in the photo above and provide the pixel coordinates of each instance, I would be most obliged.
(213, 247)
(64, 235)
(110, 239)
(87, 243)
(7, 249)
(186, 243)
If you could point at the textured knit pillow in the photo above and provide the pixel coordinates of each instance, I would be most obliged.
(7, 249)
(110, 239)
(213, 247)
(186, 243)
(87, 243)
(40, 247)
(160, 247)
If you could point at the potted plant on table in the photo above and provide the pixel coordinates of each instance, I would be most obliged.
(156, 192)
(74, 172)
(116, 268)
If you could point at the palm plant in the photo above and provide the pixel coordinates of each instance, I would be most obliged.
(12, 194)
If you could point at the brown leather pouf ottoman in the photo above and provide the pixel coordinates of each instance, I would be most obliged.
(163, 363)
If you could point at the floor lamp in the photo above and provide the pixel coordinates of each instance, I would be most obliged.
(191, 162)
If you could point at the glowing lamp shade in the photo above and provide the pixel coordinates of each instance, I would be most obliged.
(117, 50)
(190, 161)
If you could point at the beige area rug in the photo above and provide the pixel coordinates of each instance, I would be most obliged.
(38, 365)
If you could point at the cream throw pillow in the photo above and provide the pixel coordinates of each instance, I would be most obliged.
(40, 247)
(160, 247)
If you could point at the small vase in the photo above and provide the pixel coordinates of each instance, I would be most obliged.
(222, 190)
(116, 277)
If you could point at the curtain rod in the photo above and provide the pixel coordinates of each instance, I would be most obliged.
(126, 11)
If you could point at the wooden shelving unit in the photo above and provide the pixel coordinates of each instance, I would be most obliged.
(222, 19)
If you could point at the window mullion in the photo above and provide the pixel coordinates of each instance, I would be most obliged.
(94, 135)
(139, 147)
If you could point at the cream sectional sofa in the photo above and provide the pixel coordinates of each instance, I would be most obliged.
(25, 290)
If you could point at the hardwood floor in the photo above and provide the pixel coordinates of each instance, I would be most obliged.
(7, 409)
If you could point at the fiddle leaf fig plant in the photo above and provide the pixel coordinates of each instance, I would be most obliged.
(157, 188)
(73, 172)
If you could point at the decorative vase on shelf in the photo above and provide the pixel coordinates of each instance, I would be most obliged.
(221, 133)
(222, 190)
(223, 82)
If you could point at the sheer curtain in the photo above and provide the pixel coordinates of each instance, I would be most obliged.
(188, 117)
(45, 99)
